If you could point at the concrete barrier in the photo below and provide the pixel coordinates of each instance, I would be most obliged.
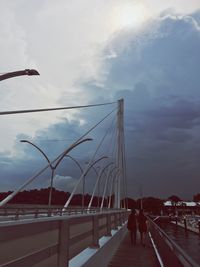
(101, 256)
(53, 241)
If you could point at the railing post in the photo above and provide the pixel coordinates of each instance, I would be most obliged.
(199, 226)
(49, 213)
(61, 211)
(120, 218)
(63, 245)
(95, 243)
(108, 221)
(185, 223)
(123, 217)
(36, 213)
(116, 221)
(5, 212)
(17, 215)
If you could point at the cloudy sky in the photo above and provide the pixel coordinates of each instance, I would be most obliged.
(92, 51)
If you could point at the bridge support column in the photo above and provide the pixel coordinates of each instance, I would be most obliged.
(108, 225)
(63, 246)
(95, 232)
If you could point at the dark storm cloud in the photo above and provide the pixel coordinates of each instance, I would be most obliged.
(162, 111)
(168, 51)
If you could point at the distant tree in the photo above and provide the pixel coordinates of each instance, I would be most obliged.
(130, 202)
(139, 203)
(153, 205)
(174, 199)
(196, 198)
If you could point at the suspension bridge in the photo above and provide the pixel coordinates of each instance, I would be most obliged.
(91, 234)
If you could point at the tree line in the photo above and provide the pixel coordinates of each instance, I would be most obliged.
(41, 196)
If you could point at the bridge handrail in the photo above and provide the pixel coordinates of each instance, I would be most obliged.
(54, 240)
(180, 254)
(17, 212)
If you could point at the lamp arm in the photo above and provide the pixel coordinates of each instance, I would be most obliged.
(18, 73)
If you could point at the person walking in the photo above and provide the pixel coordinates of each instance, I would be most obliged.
(132, 226)
(142, 226)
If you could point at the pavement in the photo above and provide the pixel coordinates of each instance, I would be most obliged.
(128, 255)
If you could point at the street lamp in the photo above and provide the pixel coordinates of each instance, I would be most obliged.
(105, 185)
(77, 163)
(97, 174)
(112, 184)
(53, 168)
(80, 179)
(81, 169)
(90, 167)
(97, 184)
(95, 170)
(9, 75)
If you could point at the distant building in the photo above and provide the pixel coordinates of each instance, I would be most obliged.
(180, 207)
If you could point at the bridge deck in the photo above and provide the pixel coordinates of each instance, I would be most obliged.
(138, 255)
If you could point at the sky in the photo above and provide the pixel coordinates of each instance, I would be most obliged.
(91, 51)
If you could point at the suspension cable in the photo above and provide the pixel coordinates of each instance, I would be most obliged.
(86, 170)
(51, 109)
(112, 122)
(109, 148)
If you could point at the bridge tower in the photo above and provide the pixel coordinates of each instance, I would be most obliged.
(120, 153)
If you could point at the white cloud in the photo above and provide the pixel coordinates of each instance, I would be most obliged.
(64, 183)
(64, 41)
(181, 6)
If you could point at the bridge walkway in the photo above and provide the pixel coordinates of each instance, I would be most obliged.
(128, 255)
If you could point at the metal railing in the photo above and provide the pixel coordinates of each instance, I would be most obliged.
(28, 211)
(171, 253)
(53, 241)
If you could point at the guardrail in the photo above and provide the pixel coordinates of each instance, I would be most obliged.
(53, 241)
(171, 254)
(36, 212)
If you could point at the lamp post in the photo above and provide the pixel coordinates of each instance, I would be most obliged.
(105, 185)
(94, 168)
(80, 179)
(77, 163)
(112, 184)
(97, 184)
(81, 169)
(29, 72)
(53, 167)
(97, 174)
(90, 167)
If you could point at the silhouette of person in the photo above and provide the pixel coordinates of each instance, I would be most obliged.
(142, 225)
(132, 226)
